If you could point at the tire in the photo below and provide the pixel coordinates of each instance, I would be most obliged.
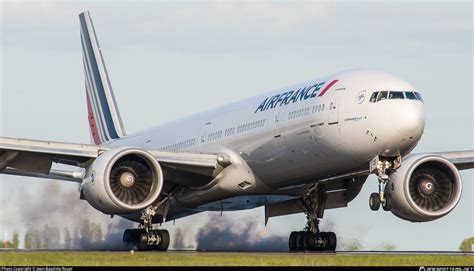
(127, 236)
(331, 241)
(323, 235)
(142, 243)
(299, 240)
(309, 241)
(165, 240)
(292, 241)
(128, 241)
(134, 235)
(387, 204)
(374, 201)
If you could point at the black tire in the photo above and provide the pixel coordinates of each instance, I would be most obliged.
(299, 240)
(165, 240)
(374, 201)
(127, 234)
(323, 236)
(134, 235)
(142, 243)
(387, 204)
(292, 241)
(317, 246)
(331, 241)
(309, 241)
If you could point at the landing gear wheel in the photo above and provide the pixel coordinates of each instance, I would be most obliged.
(299, 240)
(127, 236)
(292, 241)
(374, 201)
(165, 240)
(130, 238)
(309, 241)
(128, 241)
(387, 204)
(142, 243)
(331, 241)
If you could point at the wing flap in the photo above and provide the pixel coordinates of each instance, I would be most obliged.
(31, 162)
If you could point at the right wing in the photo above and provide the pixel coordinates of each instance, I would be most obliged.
(461, 159)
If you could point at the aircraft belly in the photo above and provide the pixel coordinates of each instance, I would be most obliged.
(238, 203)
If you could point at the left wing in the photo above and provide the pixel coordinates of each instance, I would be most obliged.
(34, 158)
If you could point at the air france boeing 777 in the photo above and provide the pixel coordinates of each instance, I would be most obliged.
(300, 149)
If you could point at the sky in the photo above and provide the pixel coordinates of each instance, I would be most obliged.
(167, 60)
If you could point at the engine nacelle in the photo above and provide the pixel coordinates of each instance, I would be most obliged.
(426, 187)
(122, 180)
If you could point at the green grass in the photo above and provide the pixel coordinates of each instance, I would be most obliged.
(66, 258)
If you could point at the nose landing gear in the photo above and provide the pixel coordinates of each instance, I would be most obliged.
(382, 166)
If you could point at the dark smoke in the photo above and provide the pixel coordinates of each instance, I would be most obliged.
(223, 234)
(179, 237)
(327, 225)
(57, 219)
(112, 240)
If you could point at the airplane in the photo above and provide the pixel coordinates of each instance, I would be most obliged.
(304, 148)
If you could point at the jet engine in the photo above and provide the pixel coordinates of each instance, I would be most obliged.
(122, 180)
(426, 187)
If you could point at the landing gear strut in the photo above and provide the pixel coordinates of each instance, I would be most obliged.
(145, 237)
(311, 238)
(382, 166)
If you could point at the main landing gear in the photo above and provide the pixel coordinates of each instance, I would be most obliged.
(382, 166)
(145, 237)
(311, 238)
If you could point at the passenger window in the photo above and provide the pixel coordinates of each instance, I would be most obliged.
(418, 95)
(382, 96)
(410, 96)
(396, 95)
(373, 97)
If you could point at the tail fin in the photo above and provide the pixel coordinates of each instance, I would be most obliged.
(104, 117)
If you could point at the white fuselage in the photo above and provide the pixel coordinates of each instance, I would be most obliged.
(289, 139)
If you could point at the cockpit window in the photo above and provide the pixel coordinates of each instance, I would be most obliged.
(410, 95)
(373, 97)
(396, 95)
(418, 95)
(382, 96)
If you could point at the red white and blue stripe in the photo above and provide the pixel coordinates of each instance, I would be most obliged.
(104, 118)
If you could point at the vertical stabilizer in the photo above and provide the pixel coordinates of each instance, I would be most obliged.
(103, 114)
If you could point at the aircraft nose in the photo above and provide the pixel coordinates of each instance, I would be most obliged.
(408, 119)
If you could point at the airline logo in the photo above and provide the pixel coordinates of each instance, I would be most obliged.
(294, 96)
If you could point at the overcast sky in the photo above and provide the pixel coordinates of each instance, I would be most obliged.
(171, 59)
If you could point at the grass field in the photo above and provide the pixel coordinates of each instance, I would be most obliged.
(104, 258)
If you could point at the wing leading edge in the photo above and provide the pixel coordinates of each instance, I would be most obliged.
(461, 159)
